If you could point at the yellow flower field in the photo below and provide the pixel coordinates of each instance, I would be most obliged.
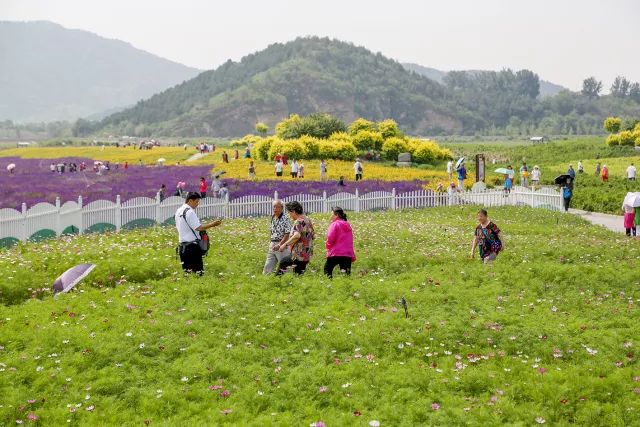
(335, 168)
(111, 154)
(235, 168)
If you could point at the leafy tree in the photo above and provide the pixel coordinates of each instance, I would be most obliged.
(82, 127)
(262, 129)
(591, 87)
(612, 124)
(620, 87)
(389, 129)
(368, 140)
(394, 146)
(634, 92)
(361, 124)
(288, 128)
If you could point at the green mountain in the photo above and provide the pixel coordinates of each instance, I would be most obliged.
(303, 76)
(52, 73)
(314, 74)
(547, 88)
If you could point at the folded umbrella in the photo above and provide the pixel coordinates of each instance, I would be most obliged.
(67, 280)
(505, 171)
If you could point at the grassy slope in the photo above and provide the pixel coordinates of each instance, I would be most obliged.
(561, 284)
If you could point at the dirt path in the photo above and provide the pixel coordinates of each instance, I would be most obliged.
(610, 222)
(195, 157)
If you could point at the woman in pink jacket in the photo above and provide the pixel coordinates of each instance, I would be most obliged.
(339, 244)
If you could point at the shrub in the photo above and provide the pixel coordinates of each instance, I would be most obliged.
(368, 140)
(389, 129)
(626, 138)
(292, 148)
(261, 148)
(318, 125)
(262, 128)
(612, 124)
(394, 146)
(428, 151)
(341, 150)
(362, 124)
(311, 146)
(341, 136)
(246, 140)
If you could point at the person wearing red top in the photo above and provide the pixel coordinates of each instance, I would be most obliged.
(203, 187)
(339, 244)
(277, 158)
(126, 165)
(285, 159)
(605, 173)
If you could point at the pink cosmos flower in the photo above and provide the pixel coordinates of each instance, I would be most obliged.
(32, 417)
(225, 393)
(435, 406)
(323, 389)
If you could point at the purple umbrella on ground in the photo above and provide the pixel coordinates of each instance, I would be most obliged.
(72, 277)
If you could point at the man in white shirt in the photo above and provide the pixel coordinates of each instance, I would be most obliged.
(450, 170)
(189, 226)
(294, 169)
(357, 168)
(279, 168)
(631, 172)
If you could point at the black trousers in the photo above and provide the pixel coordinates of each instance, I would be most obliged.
(191, 258)
(343, 261)
(629, 231)
(566, 204)
(358, 176)
(299, 267)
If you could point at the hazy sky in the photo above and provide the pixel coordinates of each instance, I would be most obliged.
(562, 40)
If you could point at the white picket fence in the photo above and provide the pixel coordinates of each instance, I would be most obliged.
(49, 220)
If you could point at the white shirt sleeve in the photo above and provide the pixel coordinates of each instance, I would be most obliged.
(192, 219)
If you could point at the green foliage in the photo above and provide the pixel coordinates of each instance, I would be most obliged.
(627, 138)
(292, 148)
(362, 124)
(261, 148)
(246, 140)
(317, 125)
(262, 129)
(591, 87)
(394, 146)
(337, 149)
(288, 128)
(389, 129)
(613, 140)
(612, 124)
(368, 140)
(543, 333)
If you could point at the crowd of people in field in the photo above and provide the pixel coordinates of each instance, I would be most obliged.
(292, 238)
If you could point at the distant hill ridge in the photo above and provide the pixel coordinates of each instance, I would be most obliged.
(52, 73)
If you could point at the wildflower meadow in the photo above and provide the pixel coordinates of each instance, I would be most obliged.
(546, 335)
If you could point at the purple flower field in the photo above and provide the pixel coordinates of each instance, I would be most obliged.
(33, 182)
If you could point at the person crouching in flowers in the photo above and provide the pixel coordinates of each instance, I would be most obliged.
(339, 244)
(487, 237)
(300, 240)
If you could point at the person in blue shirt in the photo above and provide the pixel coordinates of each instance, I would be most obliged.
(462, 175)
(571, 172)
(567, 193)
(508, 183)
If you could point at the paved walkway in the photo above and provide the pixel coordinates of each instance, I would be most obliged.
(611, 222)
(196, 157)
